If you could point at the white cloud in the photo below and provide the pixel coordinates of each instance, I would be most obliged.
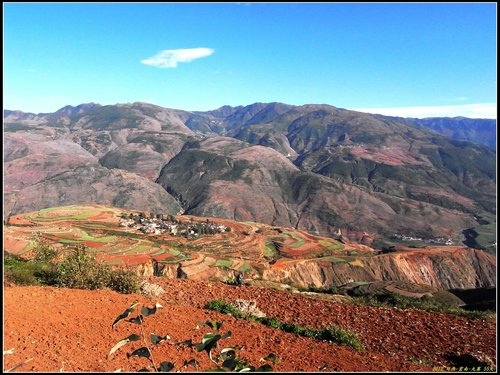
(479, 110)
(169, 58)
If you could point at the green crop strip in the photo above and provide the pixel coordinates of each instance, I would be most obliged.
(226, 263)
(333, 334)
(332, 246)
(334, 260)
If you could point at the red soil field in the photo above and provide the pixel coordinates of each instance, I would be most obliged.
(70, 330)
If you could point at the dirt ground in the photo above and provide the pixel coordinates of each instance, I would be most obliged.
(68, 330)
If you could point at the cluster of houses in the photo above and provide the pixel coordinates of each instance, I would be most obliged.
(158, 224)
(438, 241)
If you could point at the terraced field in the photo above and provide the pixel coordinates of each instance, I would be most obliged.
(240, 249)
(254, 251)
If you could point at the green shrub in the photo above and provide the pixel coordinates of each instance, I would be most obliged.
(340, 335)
(123, 281)
(25, 272)
(47, 273)
(223, 307)
(333, 334)
(12, 261)
(19, 270)
(424, 303)
(80, 269)
(231, 281)
(77, 269)
(44, 253)
(270, 322)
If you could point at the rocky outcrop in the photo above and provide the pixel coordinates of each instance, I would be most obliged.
(460, 268)
(440, 268)
(200, 267)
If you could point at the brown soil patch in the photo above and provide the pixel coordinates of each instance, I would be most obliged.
(130, 260)
(104, 216)
(445, 194)
(19, 220)
(305, 251)
(93, 244)
(386, 155)
(14, 244)
(70, 330)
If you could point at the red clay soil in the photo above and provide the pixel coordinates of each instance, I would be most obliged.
(19, 220)
(92, 244)
(70, 330)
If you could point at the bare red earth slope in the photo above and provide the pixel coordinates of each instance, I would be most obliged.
(70, 330)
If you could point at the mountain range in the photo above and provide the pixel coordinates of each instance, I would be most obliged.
(367, 178)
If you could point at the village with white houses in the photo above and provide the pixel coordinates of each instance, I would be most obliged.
(159, 224)
(439, 241)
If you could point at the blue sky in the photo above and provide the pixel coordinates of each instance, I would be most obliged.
(406, 59)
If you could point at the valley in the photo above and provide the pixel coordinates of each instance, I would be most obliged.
(325, 170)
(250, 187)
(301, 209)
(288, 274)
(259, 252)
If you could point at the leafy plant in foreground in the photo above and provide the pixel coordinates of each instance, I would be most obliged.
(225, 360)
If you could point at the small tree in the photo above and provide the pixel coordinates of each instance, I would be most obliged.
(80, 269)
(44, 253)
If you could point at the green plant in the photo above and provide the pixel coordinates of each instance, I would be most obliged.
(332, 333)
(424, 303)
(225, 360)
(44, 261)
(342, 336)
(80, 269)
(19, 270)
(28, 272)
(231, 281)
(123, 281)
(225, 308)
(44, 253)
(143, 351)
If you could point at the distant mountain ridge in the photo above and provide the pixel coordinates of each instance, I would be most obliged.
(482, 131)
(328, 170)
(478, 130)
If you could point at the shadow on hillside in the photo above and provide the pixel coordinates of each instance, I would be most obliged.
(481, 299)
